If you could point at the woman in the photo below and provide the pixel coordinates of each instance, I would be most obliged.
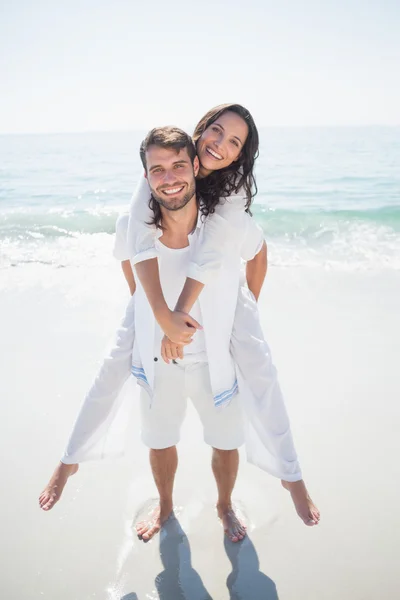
(227, 145)
(227, 142)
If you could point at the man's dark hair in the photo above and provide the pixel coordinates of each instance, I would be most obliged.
(167, 137)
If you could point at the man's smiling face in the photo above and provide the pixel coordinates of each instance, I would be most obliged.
(171, 176)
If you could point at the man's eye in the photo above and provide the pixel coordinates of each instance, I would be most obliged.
(178, 166)
(157, 170)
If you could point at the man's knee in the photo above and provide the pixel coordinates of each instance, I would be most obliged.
(223, 452)
(161, 450)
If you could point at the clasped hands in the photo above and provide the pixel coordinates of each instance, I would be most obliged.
(179, 329)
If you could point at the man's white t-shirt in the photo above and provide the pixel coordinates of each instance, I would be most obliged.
(173, 265)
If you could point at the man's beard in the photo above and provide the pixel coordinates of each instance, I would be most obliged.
(181, 203)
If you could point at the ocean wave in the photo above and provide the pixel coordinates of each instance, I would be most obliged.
(333, 239)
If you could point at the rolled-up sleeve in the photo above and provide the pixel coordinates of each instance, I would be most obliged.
(253, 239)
(120, 251)
(141, 236)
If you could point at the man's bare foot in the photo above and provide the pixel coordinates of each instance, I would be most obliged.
(234, 529)
(149, 527)
(53, 490)
(304, 506)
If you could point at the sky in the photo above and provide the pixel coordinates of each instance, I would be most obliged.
(96, 65)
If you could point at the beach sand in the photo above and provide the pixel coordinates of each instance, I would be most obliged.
(335, 338)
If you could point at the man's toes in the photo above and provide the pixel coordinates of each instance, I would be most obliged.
(236, 530)
(141, 527)
(147, 535)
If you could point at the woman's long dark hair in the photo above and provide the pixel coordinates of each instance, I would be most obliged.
(239, 174)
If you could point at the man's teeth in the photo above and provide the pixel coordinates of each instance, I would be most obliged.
(214, 154)
(173, 190)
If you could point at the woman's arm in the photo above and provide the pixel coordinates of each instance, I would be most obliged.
(256, 270)
(219, 230)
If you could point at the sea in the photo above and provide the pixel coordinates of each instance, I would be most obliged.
(326, 197)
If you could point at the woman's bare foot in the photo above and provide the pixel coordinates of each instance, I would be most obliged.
(233, 527)
(53, 490)
(149, 527)
(304, 506)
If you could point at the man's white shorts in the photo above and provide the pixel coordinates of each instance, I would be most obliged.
(163, 415)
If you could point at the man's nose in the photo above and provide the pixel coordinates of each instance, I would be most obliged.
(169, 176)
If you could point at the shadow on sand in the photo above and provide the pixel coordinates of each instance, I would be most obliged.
(179, 581)
(247, 582)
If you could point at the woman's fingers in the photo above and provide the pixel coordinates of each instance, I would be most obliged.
(170, 350)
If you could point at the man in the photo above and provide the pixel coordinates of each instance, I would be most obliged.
(207, 372)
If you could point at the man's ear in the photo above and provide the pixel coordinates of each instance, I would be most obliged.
(196, 166)
(145, 173)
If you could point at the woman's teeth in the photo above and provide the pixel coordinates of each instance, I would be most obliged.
(214, 154)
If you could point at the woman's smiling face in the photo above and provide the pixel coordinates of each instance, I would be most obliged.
(222, 142)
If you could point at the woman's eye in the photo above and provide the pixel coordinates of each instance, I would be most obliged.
(215, 129)
(236, 143)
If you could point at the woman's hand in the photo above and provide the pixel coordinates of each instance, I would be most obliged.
(170, 351)
(179, 327)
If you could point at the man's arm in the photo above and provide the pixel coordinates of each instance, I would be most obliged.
(128, 274)
(175, 324)
(256, 270)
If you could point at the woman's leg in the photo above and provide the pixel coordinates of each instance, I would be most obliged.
(97, 413)
(267, 412)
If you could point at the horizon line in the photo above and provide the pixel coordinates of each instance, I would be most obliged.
(137, 130)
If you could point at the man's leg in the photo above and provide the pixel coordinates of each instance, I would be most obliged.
(225, 464)
(223, 431)
(161, 420)
(163, 465)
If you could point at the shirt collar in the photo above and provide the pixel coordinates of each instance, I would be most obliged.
(199, 225)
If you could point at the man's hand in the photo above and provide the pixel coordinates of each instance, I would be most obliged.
(179, 327)
(169, 350)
